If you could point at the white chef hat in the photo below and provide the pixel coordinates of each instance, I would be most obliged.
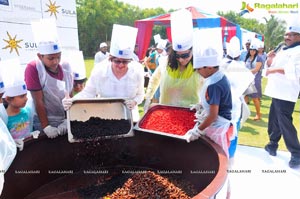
(76, 61)
(248, 41)
(209, 58)
(233, 47)
(123, 41)
(14, 78)
(103, 44)
(18, 88)
(261, 44)
(182, 30)
(162, 44)
(46, 37)
(207, 52)
(157, 38)
(253, 46)
(255, 43)
(294, 24)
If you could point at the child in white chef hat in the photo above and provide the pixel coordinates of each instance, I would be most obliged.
(19, 116)
(75, 59)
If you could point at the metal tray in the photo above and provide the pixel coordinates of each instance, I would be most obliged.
(138, 127)
(109, 108)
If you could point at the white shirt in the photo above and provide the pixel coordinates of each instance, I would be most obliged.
(103, 83)
(3, 113)
(8, 151)
(285, 86)
(135, 57)
(100, 56)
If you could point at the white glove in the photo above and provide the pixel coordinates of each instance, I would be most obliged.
(67, 103)
(130, 104)
(20, 143)
(63, 128)
(51, 132)
(198, 107)
(146, 105)
(194, 133)
(201, 116)
(35, 134)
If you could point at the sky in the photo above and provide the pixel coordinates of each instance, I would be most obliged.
(213, 6)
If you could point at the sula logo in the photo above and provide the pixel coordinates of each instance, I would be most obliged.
(12, 43)
(52, 8)
(245, 8)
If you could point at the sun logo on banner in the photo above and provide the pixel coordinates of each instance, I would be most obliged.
(245, 8)
(12, 43)
(52, 8)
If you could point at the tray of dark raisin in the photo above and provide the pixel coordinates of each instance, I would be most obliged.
(94, 119)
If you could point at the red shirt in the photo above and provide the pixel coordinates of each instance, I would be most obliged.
(32, 76)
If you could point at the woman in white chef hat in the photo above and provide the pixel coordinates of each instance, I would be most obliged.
(118, 76)
(179, 83)
(48, 81)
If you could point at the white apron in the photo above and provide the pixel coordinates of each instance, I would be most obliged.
(240, 78)
(218, 129)
(54, 92)
(8, 151)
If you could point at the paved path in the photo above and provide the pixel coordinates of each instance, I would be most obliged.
(257, 175)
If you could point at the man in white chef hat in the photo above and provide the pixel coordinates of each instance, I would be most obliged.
(119, 76)
(101, 54)
(283, 73)
(48, 81)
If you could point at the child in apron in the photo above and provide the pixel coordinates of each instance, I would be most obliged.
(215, 98)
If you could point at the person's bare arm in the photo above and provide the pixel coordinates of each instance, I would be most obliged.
(213, 114)
(257, 67)
(274, 70)
(270, 57)
(38, 98)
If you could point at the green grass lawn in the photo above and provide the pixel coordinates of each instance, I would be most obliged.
(89, 64)
(253, 133)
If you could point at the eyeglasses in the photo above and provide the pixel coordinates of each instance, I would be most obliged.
(118, 62)
(183, 56)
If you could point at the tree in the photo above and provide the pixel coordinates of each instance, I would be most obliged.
(274, 32)
(96, 18)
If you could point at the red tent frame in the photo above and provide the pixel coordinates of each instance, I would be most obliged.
(200, 20)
